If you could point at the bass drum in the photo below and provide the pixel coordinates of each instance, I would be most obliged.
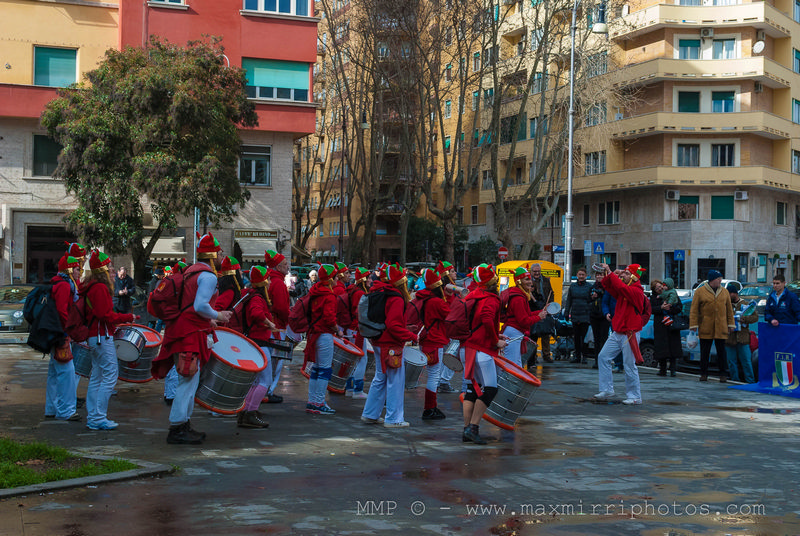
(515, 389)
(138, 371)
(345, 358)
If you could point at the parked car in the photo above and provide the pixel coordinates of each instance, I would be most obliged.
(12, 300)
(794, 286)
(301, 271)
(757, 293)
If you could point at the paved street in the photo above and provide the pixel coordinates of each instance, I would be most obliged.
(693, 459)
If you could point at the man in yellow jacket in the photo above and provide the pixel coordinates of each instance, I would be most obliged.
(711, 318)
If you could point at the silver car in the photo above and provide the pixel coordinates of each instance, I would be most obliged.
(12, 300)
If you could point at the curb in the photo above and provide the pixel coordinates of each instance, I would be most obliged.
(146, 469)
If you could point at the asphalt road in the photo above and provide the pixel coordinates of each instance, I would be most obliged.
(695, 458)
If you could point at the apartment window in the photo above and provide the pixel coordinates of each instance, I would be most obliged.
(536, 38)
(476, 99)
(448, 108)
(462, 67)
(448, 73)
(596, 114)
(688, 155)
(474, 215)
(595, 163)
(721, 207)
(687, 207)
(539, 83)
(780, 213)
(45, 155)
(597, 64)
(448, 37)
(274, 79)
(383, 51)
(797, 10)
(722, 101)
(285, 7)
(608, 213)
(534, 125)
(488, 97)
(447, 144)
(490, 55)
(476, 62)
(55, 67)
(723, 154)
(795, 111)
(460, 216)
(507, 128)
(795, 161)
(689, 49)
(689, 2)
(486, 183)
(796, 60)
(689, 101)
(586, 220)
(724, 49)
(254, 165)
(476, 138)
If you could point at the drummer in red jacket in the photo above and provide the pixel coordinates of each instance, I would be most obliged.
(186, 340)
(388, 386)
(433, 338)
(260, 330)
(342, 278)
(516, 313)
(481, 350)
(102, 325)
(355, 383)
(230, 284)
(448, 274)
(319, 346)
(280, 303)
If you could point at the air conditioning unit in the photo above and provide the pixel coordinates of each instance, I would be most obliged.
(706, 33)
(753, 262)
(758, 87)
(618, 117)
(740, 195)
(760, 35)
(673, 195)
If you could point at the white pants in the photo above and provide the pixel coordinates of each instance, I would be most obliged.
(616, 343)
(387, 389)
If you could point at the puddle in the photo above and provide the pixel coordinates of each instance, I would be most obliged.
(772, 411)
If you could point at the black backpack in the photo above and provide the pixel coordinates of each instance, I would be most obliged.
(372, 313)
(41, 314)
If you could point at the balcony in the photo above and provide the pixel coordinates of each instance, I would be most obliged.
(759, 15)
(699, 176)
(756, 68)
(719, 124)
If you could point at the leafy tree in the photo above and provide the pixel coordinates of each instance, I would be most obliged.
(151, 128)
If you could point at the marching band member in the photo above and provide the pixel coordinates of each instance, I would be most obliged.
(515, 312)
(186, 340)
(481, 349)
(433, 339)
(280, 303)
(102, 324)
(388, 386)
(447, 272)
(355, 383)
(62, 382)
(259, 321)
(342, 278)
(230, 284)
(171, 379)
(319, 346)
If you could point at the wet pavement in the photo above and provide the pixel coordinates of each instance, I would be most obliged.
(695, 458)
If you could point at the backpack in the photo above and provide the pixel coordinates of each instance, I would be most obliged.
(415, 313)
(238, 321)
(300, 314)
(344, 307)
(77, 323)
(372, 313)
(505, 298)
(165, 301)
(646, 311)
(458, 324)
(42, 315)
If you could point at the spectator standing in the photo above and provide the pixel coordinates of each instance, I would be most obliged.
(600, 324)
(738, 344)
(667, 341)
(577, 309)
(124, 288)
(542, 291)
(783, 307)
(711, 318)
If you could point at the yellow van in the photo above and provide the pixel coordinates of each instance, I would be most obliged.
(505, 275)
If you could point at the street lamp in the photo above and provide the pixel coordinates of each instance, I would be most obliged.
(598, 27)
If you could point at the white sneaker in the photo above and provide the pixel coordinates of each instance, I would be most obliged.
(632, 401)
(403, 424)
(359, 395)
(604, 395)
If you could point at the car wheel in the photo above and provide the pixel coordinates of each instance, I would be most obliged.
(648, 354)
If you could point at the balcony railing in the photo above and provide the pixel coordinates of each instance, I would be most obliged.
(736, 123)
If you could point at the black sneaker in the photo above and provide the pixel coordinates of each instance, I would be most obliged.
(251, 419)
(473, 436)
(445, 388)
(273, 399)
(201, 435)
(181, 435)
(80, 402)
(433, 414)
(168, 401)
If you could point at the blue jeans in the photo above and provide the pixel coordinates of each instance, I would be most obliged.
(321, 370)
(171, 383)
(60, 394)
(183, 405)
(387, 389)
(103, 379)
(740, 354)
(512, 351)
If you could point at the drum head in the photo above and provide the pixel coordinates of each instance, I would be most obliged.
(415, 356)
(552, 308)
(238, 351)
(347, 346)
(126, 351)
(152, 337)
(452, 362)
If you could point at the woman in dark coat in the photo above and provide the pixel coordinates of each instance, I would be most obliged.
(667, 341)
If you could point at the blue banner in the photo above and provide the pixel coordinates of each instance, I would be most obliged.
(778, 349)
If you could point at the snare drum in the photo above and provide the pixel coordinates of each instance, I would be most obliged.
(296, 337)
(552, 308)
(345, 357)
(82, 359)
(515, 388)
(415, 361)
(227, 377)
(129, 343)
(138, 371)
(280, 349)
(450, 356)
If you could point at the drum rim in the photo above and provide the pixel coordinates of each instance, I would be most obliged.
(411, 349)
(348, 346)
(505, 364)
(455, 358)
(264, 360)
(148, 329)
(554, 312)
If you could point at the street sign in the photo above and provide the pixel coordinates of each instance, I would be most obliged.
(502, 252)
(599, 248)
(587, 248)
(558, 258)
(679, 255)
(558, 249)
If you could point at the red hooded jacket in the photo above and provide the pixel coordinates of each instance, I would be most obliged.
(279, 296)
(626, 317)
(436, 310)
(518, 312)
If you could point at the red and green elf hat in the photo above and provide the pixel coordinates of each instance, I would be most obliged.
(443, 267)
(361, 273)
(75, 250)
(484, 274)
(258, 277)
(99, 261)
(272, 258)
(326, 272)
(66, 262)
(521, 273)
(395, 275)
(341, 268)
(229, 266)
(431, 278)
(207, 246)
(636, 270)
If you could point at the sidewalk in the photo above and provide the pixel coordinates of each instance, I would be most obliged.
(695, 458)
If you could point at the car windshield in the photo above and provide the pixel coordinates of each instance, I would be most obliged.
(761, 291)
(14, 294)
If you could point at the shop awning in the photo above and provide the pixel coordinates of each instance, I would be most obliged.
(168, 249)
(253, 248)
